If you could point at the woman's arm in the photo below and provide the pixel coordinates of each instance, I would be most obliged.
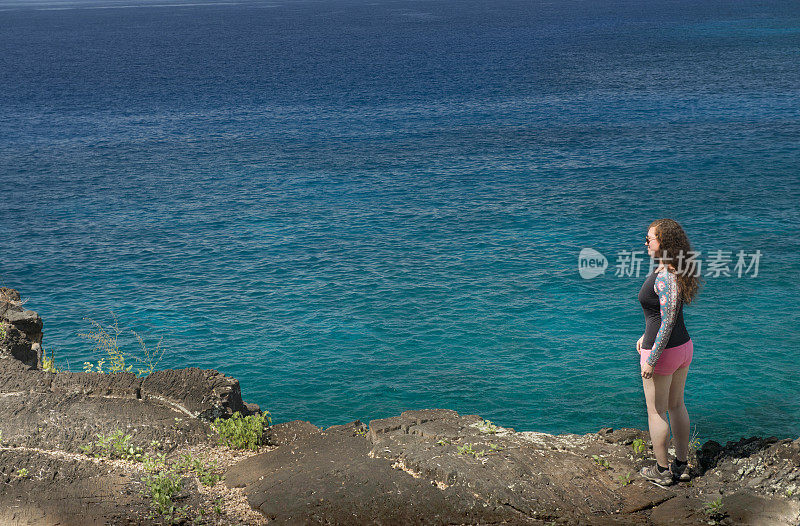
(666, 286)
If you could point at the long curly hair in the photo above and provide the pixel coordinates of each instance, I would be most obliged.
(673, 244)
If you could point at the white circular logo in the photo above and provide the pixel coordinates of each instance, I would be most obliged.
(591, 263)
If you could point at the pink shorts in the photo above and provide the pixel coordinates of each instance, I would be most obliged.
(671, 359)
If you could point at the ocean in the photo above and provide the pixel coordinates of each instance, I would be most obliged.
(362, 207)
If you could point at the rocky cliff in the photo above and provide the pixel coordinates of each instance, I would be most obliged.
(430, 466)
(20, 328)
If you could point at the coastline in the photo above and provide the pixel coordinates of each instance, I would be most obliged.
(427, 466)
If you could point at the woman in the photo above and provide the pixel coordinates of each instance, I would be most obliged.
(666, 349)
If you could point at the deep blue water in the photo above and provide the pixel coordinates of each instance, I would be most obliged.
(358, 208)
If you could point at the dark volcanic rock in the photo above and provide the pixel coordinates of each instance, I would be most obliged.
(48, 417)
(16, 377)
(437, 467)
(287, 432)
(421, 467)
(61, 490)
(113, 385)
(766, 467)
(67, 410)
(199, 393)
(20, 329)
(330, 478)
(746, 508)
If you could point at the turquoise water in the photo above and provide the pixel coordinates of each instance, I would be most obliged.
(358, 209)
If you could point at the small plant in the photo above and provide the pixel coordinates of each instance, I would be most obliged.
(715, 506)
(208, 477)
(161, 487)
(442, 442)
(714, 510)
(114, 359)
(106, 341)
(88, 367)
(206, 474)
(150, 358)
(467, 449)
(120, 446)
(694, 442)
(625, 479)
(237, 432)
(22, 473)
(114, 446)
(154, 463)
(639, 446)
(185, 463)
(48, 363)
(494, 447)
(3, 331)
(487, 427)
(362, 432)
(218, 506)
(600, 461)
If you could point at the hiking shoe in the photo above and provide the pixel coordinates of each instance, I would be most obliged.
(680, 473)
(652, 474)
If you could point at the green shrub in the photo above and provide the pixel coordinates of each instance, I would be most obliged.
(241, 433)
(114, 446)
(115, 360)
(714, 510)
(694, 441)
(150, 358)
(467, 449)
(106, 342)
(207, 475)
(714, 507)
(488, 427)
(639, 446)
(155, 462)
(161, 488)
(49, 363)
(600, 461)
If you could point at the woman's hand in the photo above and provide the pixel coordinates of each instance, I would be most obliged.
(647, 370)
(639, 344)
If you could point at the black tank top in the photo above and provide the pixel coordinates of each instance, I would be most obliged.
(652, 316)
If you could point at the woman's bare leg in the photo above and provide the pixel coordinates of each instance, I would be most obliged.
(678, 415)
(656, 394)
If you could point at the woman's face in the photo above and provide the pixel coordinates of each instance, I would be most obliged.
(653, 247)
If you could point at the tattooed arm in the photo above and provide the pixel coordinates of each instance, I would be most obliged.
(666, 286)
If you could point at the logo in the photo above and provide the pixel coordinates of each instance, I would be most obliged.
(591, 263)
